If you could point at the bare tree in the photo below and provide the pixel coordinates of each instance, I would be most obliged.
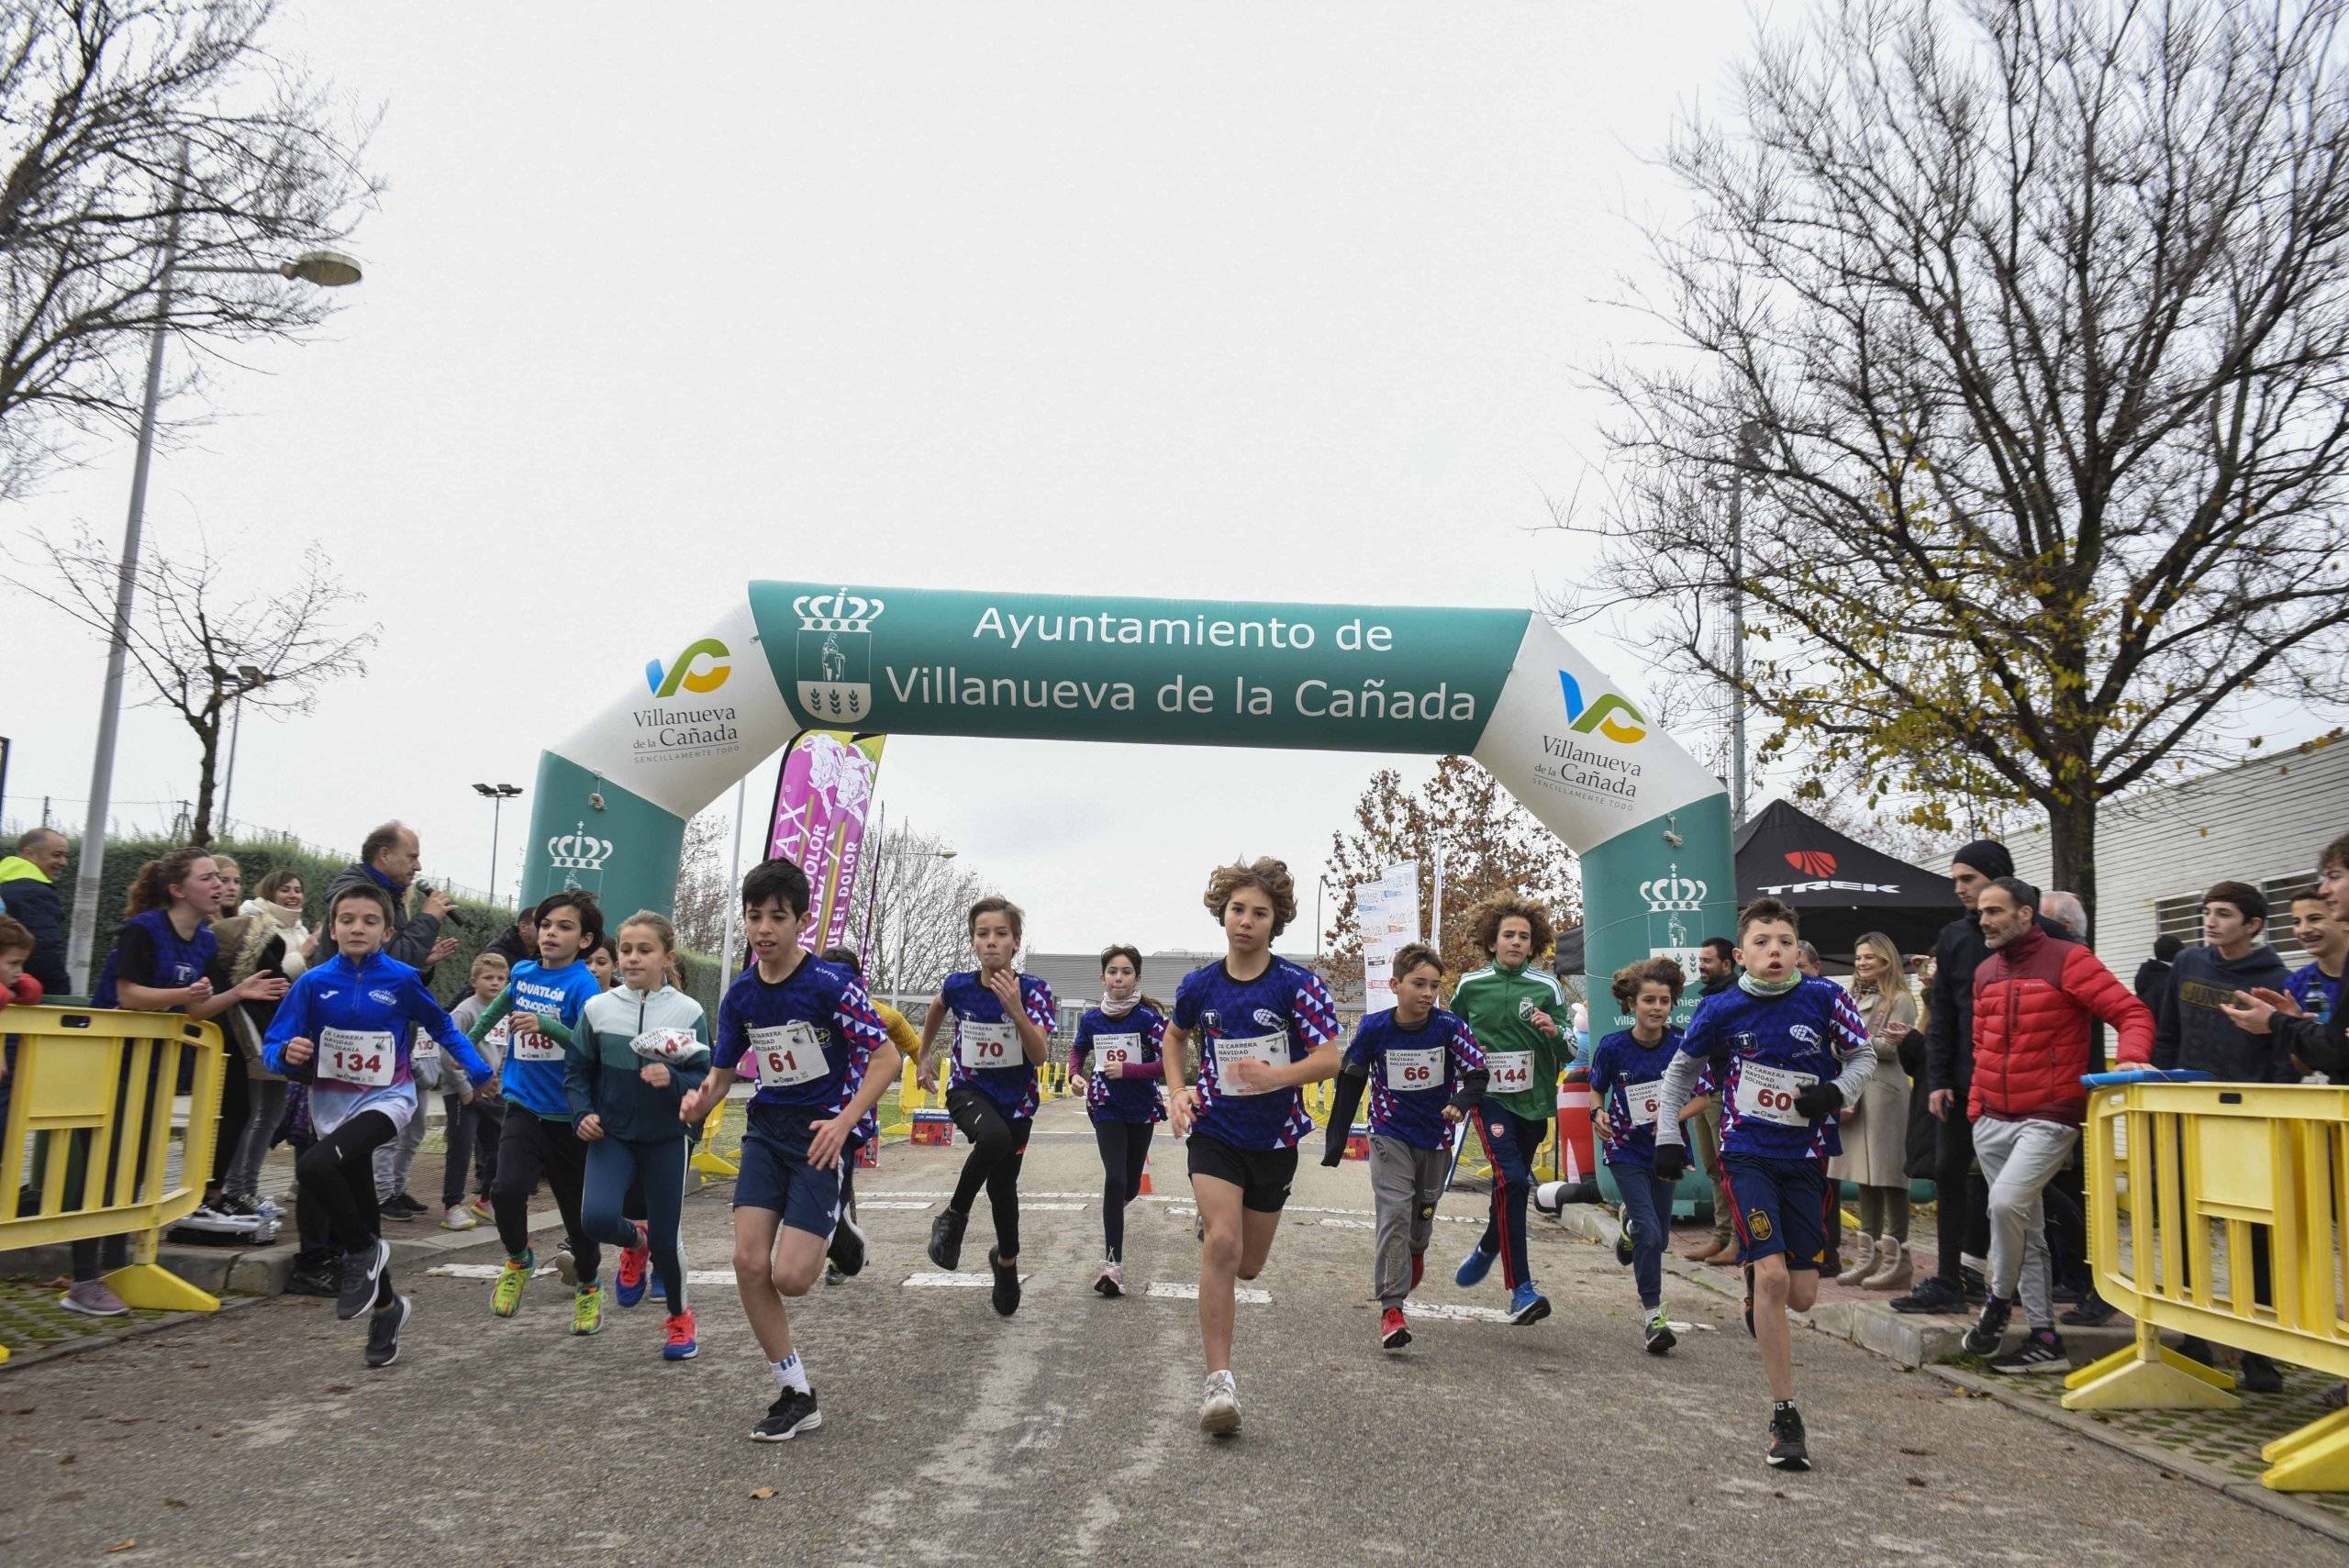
(201, 646)
(2034, 317)
(100, 103)
(1491, 844)
(915, 933)
(704, 890)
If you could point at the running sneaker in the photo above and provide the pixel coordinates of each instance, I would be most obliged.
(402, 1206)
(1474, 1268)
(587, 1310)
(459, 1218)
(635, 1271)
(2041, 1351)
(356, 1292)
(1787, 1450)
(384, 1326)
(1659, 1336)
(1111, 1281)
(312, 1278)
(1394, 1333)
(792, 1413)
(92, 1299)
(681, 1345)
(946, 1240)
(1527, 1304)
(1006, 1285)
(848, 1249)
(238, 1206)
(480, 1205)
(2093, 1312)
(506, 1299)
(1220, 1406)
(2260, 1376)
(1623, 1243)
(1932, 1296)
(1990, 1331)
(832, 1275)
(566, 1266)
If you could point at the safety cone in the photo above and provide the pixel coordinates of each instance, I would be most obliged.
(1144, 1190)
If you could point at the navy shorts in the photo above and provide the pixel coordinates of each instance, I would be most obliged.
(774, 1173)
(1263, 1175)
(1778, 1205)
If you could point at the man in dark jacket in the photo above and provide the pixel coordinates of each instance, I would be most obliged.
(1961, 1198)
(518, 940)
(28, 892)
(2152, 984)
(2034, 999)
(2194, 1030)
(388, 859)
(2322, 1042)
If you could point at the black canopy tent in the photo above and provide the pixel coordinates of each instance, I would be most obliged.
(1842, 888)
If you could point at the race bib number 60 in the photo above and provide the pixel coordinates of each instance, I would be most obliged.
(1767, 1093)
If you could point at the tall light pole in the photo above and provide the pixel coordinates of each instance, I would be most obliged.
(323, 269)
(248, 678)
(497, 795)
(1749, 442)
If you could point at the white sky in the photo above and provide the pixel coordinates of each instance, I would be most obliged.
(1221, 301)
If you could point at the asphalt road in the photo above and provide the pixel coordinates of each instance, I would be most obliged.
(1067, 1434)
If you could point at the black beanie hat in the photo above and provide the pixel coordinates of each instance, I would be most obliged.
(1987, 856)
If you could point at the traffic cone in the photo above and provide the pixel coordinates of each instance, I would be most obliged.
(1144, 1190)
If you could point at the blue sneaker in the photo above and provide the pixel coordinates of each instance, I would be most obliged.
(1527, 1304)
(1473, 1267)
(636, 1270)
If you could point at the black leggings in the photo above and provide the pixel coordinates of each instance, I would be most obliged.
(1125, 1145)
(337, 1174)
(998, 1144)
(1961, 1197)
(530, 1147)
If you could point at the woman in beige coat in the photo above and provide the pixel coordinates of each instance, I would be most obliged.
(1875, 1131)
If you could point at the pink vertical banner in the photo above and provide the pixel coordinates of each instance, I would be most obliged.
(820, 804)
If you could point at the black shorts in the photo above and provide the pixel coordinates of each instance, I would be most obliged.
(1263, 1175)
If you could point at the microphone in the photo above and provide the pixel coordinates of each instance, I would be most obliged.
(454, 916)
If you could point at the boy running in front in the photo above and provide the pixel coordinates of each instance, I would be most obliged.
(1799, 1052)
(1269, 1028)
(1425, 1072)
(804, 1032)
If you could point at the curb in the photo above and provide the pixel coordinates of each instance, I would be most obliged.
(20, 1357)
(2227, 1485)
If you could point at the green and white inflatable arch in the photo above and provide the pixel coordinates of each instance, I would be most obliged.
(1650, 824)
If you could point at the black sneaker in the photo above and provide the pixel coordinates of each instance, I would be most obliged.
(1624, 1244)
(1006, 1285)
(2069, 1295)
(1990, 1331)
(1787, 1450)
(313, 1279)
(847, 1250)
(791, 1414)
(1659, 1334)
(404, 1205)
(355, 1288)
(1976, 1287)
(2196, 1350)
(1934, 1295)
(946, 1240)
(2041, 1351)
(237, 1207)
(391, 1208)
(2260, 1376)
(384, 1326)
(2093, 1312)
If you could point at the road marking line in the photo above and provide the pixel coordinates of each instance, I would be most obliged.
(1174, 1290)
(863, 1203)
(1445, 1311)
(906, 1192)
(1051, 1208)
(491, 1271)
(955, 1282)
(1346, 1224)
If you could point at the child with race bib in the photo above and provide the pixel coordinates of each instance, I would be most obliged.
(541, 1006)
(1425, 1072)
(475, 1123)
(1003, 1027)
(845, 1257)
(1799, 1052)
(1122, 1038)
(1513, 1006)
(803, 1030)
(347, 1026)
(1266, 1029)
(640, 1050)
(1626, 1084)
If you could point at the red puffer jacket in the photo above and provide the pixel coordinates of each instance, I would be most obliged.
(2032, 1001)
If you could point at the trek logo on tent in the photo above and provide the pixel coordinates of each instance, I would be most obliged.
(1601, 714)
(1811, 863)
(681, 672)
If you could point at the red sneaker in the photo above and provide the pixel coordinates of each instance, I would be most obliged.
(635, 1262)
(681, 1345)
(1393, 1332)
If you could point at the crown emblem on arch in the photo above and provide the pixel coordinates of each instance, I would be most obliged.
(838, 610)
(1673, 892)
(578, 850)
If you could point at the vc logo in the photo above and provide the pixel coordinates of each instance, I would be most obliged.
(681, 672)
(1602, 715)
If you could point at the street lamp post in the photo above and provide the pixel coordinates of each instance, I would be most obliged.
(497, 795)
(1749, 441)
(322, 269)
(249, 677)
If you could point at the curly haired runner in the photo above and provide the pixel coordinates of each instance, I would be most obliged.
(1512, 1008)
(1270, 1030)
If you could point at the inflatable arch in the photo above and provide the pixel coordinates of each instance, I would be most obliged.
(1650, 823)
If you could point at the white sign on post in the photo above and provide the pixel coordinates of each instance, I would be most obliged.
(1387, 911)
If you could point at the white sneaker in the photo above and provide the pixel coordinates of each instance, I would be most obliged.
(459, 1218)
(1111, 1281)
(1220, 1408)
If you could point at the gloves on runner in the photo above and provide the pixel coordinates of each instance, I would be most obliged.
(1815, 1100)
(1671, 1161)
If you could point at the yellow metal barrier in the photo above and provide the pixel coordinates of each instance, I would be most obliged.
(708, 1163)
(2177, 1158)
(89, 1136)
